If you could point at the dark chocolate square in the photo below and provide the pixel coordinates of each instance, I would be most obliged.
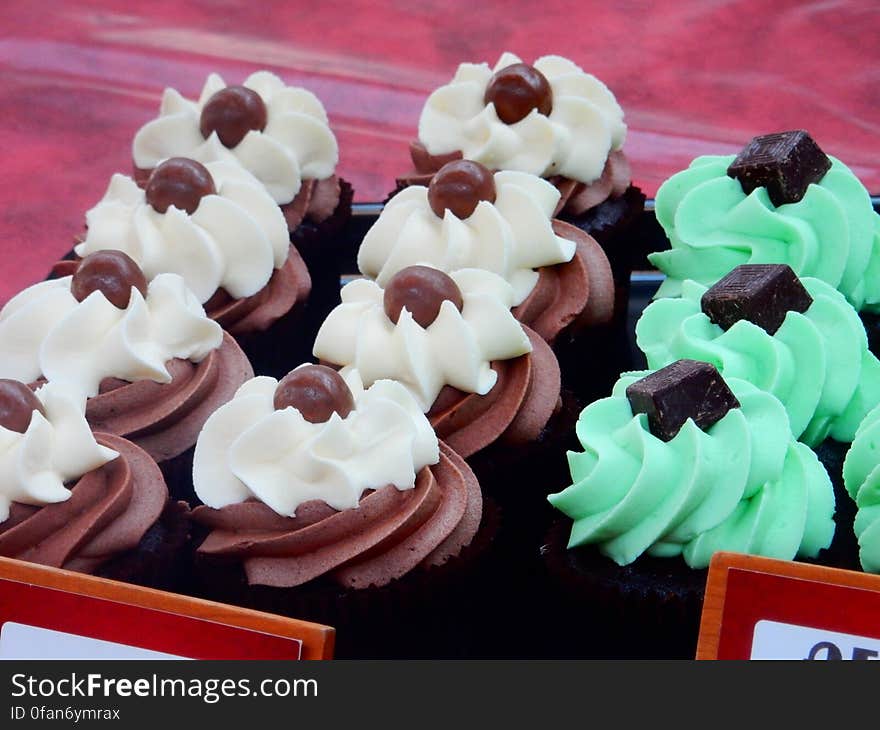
(785, 163)
(685, 389)
(761, 293)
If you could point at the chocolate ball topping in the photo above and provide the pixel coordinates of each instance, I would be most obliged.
(516, 90)
(17, 405)
(459, 186)
(180, 182)
(421, 290)
(316, 391)
(113, 273)
(232, 113)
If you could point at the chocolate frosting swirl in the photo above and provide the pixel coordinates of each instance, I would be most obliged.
(165, 419)
(577, 293)
(390, 533)
(514, 412)
(109, 511)
(577, 197)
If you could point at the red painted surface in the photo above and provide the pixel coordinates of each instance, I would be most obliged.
(78, 78)
(754, 596)
(98, 618)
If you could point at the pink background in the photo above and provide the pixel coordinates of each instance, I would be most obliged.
(77, 79)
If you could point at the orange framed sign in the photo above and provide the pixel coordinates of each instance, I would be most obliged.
(50, 613)
(758, 608)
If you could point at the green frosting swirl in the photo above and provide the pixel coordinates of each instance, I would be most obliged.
(832, 233)
(742, 485)
(817, 363)
(861, 477)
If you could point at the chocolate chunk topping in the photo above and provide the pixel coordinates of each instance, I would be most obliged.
(421, 290)
(180, 182)
(761, 293)
(316, 391)
(785, 163)
(516, 90)
(113, 273)
(232, 113)
(17, 405)
(459, 186)
(685, 389)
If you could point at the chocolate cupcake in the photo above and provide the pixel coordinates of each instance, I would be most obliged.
(482, 378)
(281, 135)
(151, 364)
(798, 339)
(468, 217)
(89, 502)
(549, 119)
(780, 201)
(678, 464)
(217, 227)
(321, 500)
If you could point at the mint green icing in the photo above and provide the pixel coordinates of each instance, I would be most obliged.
(861, 477)
(743, 484)
(817, 363)
(832, 233)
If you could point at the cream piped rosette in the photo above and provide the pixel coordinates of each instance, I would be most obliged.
(249, 450)
(296, 143)
(511, 237)
(45, 332)
(234, 240)
(574, 140)
(456, 349)
(56, 448)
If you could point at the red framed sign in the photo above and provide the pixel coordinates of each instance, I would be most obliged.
(758, 608)
(46, 613)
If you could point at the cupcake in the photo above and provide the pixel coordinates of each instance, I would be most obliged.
(797, 339)
(470, 218)
(780, 201)
(550, 119)
(676, 465)
(860, 477)
(278, 133)
(69, 498)
(151, 364)
(217, 227)
(322, 498)
(480, 376)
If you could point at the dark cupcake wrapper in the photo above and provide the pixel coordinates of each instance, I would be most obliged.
(431, 612)
(614, 224)
(591, 360)
(519, 478)
(649, 609)
(178, 476)
(157, 561)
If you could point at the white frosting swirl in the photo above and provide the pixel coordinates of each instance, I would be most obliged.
(296, 144)
(585, 124)
(56, 448)
(456, 349)
(510, 237)
(248, 450)
(45, 331)
(234, 239)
